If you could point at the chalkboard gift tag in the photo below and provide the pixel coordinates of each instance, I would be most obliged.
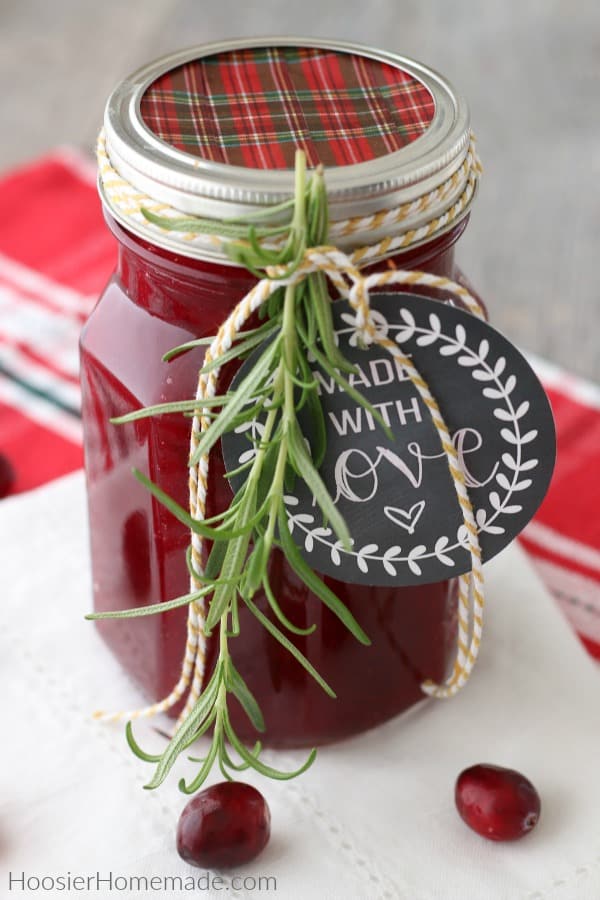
(397, 496)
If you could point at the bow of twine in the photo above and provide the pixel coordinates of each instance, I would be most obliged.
(355, 288)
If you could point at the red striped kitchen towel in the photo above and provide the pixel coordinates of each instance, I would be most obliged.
(55, 257)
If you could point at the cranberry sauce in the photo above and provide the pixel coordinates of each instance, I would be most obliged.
(154, 302)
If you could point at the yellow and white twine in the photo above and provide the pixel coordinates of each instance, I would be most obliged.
(410, 222)
(344, 273)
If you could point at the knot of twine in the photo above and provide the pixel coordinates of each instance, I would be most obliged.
(344, 273)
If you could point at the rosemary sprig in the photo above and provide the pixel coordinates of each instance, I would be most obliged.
(297, 326)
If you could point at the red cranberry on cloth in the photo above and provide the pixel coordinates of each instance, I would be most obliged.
(225, 825)
(499, 804)
(7, 475)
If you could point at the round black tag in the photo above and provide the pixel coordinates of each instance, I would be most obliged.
(397, 497)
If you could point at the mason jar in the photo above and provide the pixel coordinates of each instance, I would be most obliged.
(212, 132)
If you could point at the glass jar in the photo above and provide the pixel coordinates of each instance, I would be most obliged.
(163, 295)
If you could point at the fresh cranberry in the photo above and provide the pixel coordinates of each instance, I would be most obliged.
(225, 825)
(7, 475)
(500, 804)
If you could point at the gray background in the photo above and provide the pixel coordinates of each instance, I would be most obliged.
(529, 68)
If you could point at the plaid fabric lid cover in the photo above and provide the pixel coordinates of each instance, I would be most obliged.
(253, 107)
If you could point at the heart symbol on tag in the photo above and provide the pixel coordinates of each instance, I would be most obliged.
(405, 519)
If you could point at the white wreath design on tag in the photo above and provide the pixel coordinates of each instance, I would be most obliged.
(497, 385)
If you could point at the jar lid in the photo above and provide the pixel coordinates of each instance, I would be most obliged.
(212, 131)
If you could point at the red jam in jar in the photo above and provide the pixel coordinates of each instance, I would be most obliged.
(395, 131)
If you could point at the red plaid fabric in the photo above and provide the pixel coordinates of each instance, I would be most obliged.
(254, 107)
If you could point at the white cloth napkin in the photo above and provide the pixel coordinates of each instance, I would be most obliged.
(374, 818)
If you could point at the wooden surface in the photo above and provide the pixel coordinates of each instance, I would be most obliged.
(530, 70)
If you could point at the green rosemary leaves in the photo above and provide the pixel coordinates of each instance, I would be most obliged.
(297, 327)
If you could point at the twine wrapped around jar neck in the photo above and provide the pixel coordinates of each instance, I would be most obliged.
(343, 270)
(409, 222)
